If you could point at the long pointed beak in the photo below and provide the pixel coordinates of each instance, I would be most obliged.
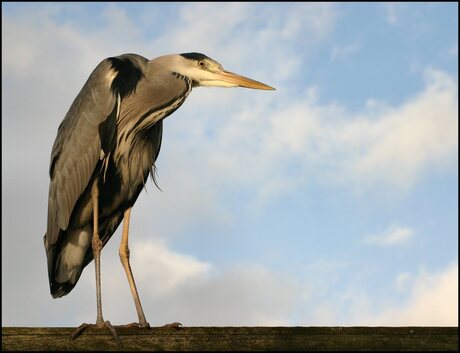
(241, 81)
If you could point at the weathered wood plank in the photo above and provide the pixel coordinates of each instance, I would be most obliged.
(235, 338)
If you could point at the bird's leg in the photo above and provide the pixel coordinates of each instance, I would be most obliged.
(97, 247)
(124, 257)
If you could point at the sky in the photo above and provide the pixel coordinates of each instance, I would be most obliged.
(332, 201)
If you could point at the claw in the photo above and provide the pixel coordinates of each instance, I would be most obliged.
(174, 325)
(114, 333)
(79, 330)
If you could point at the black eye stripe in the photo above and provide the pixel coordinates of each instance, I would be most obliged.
(194, 56)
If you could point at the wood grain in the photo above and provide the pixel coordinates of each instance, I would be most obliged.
(234, 338)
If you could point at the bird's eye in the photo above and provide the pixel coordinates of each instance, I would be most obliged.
(202, 64)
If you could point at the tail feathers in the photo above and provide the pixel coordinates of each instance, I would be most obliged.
(58, 290)
(66, 260)
(72, 253)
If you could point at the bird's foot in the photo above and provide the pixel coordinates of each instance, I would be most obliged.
(174, 325)
(84, 326)
(137, 324)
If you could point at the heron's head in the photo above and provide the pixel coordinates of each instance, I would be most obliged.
(208, 72)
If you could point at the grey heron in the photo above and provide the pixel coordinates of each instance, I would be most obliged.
(106, 147)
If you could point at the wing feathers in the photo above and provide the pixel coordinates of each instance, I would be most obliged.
(77, 147)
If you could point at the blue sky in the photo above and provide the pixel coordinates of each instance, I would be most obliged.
(330, 201)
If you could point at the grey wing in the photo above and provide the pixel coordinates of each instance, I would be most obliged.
(84, 134)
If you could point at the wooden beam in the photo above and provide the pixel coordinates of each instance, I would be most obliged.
(235, 338)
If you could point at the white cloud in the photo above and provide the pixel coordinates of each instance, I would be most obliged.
(392, 236)
(244, 294)
(157, 264)
(433, 301)
(426, 298)
(406, 141)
